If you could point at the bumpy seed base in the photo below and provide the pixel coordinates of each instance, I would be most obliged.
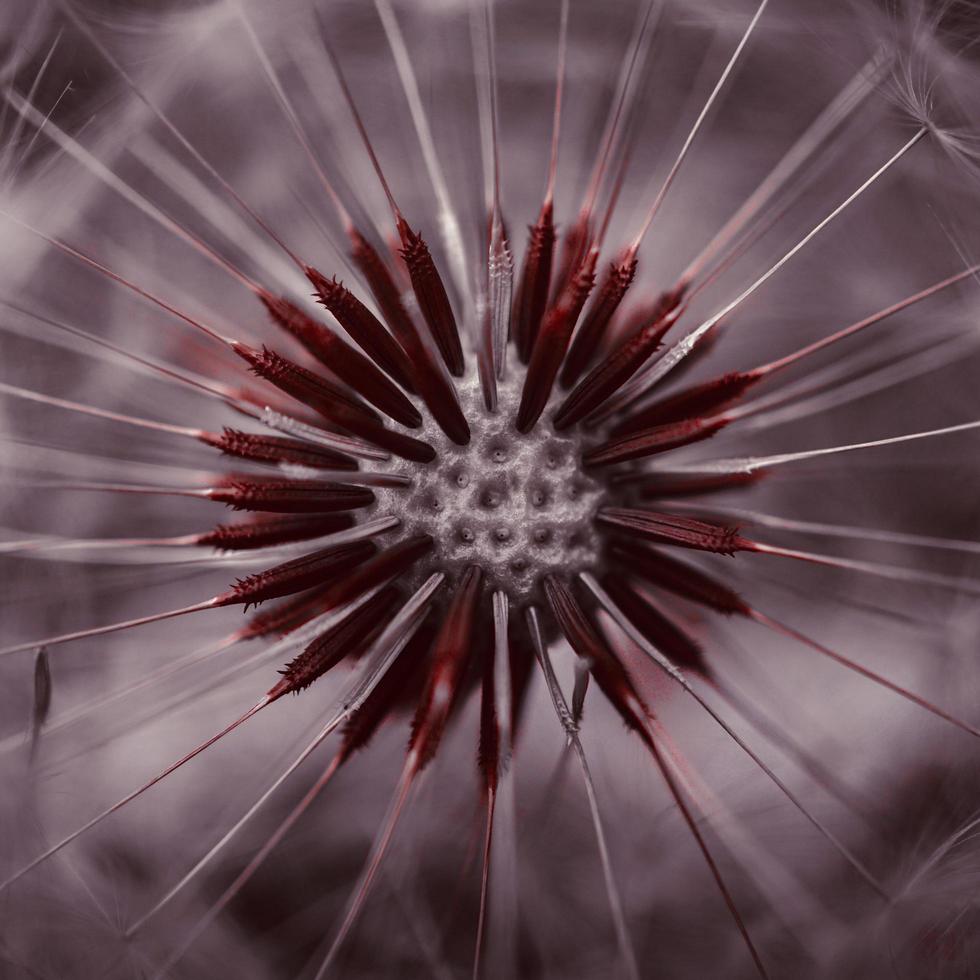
(519, 506)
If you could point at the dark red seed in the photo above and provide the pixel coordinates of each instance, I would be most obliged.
(383, 287)
(348, 364)
(649, 442)
(532, 288)
(618, 367)
(276, 449)
(684, 532)
(678, 577)
(432, 298)
(682, 485)
(286, 616)
(332, 403)
(667, 637)
(697, 400)
(384, 566)
(317, 568)
(604, 666)
(313, 390)
(551, 345)
(575, 248)
(435, 389)
(332, 646)
(292, 496)
(451, 654)
(363, 327)
(270, 532)
(400, 685)
(618, 279)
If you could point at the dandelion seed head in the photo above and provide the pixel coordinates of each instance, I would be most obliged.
(537, 595)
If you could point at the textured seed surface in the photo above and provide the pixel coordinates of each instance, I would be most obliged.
(518, 505)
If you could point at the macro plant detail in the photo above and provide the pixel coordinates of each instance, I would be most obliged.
(530, 431)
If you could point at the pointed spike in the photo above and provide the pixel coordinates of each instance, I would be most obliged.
(680, 648)
(532, 291)
(667, 572)
(362, 326)
(276, 450)
(348, 364)
(352, 634)
(649, 442)
(383, 567)
(435, 389)
(432, 299)
(400, 686)
(331, 402)
(552, 343)
(317, 568)
(652, 486)
(699, 400)
(291, 496)
(682, 532)
(576, 243)
(384, 289)
(272, 531)
(606, 301)
(625, 360)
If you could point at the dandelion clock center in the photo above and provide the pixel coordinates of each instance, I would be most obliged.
(519, 506)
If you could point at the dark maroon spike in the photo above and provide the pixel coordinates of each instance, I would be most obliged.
(268, 533)
(342, 640)
(317, 568)
(532, 288)
(450, 656)
(292, 496)
(363, 326)
(432, 385)
(432, 298)
(286, 616)
(649, 442)
(383, 287)
(605, 667)
(676, 645)
(399, 445)
(261, 448)
(574, 249)
(682, 485)
(679, 577)
(551, 345)
(697, 400)
(348, 364)
(305, 386)
(383, 567)
(617, 368)
(618, 279)
(400, 685)
(684, 532)
(332, 403)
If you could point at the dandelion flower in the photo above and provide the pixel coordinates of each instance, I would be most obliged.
(589, 389)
